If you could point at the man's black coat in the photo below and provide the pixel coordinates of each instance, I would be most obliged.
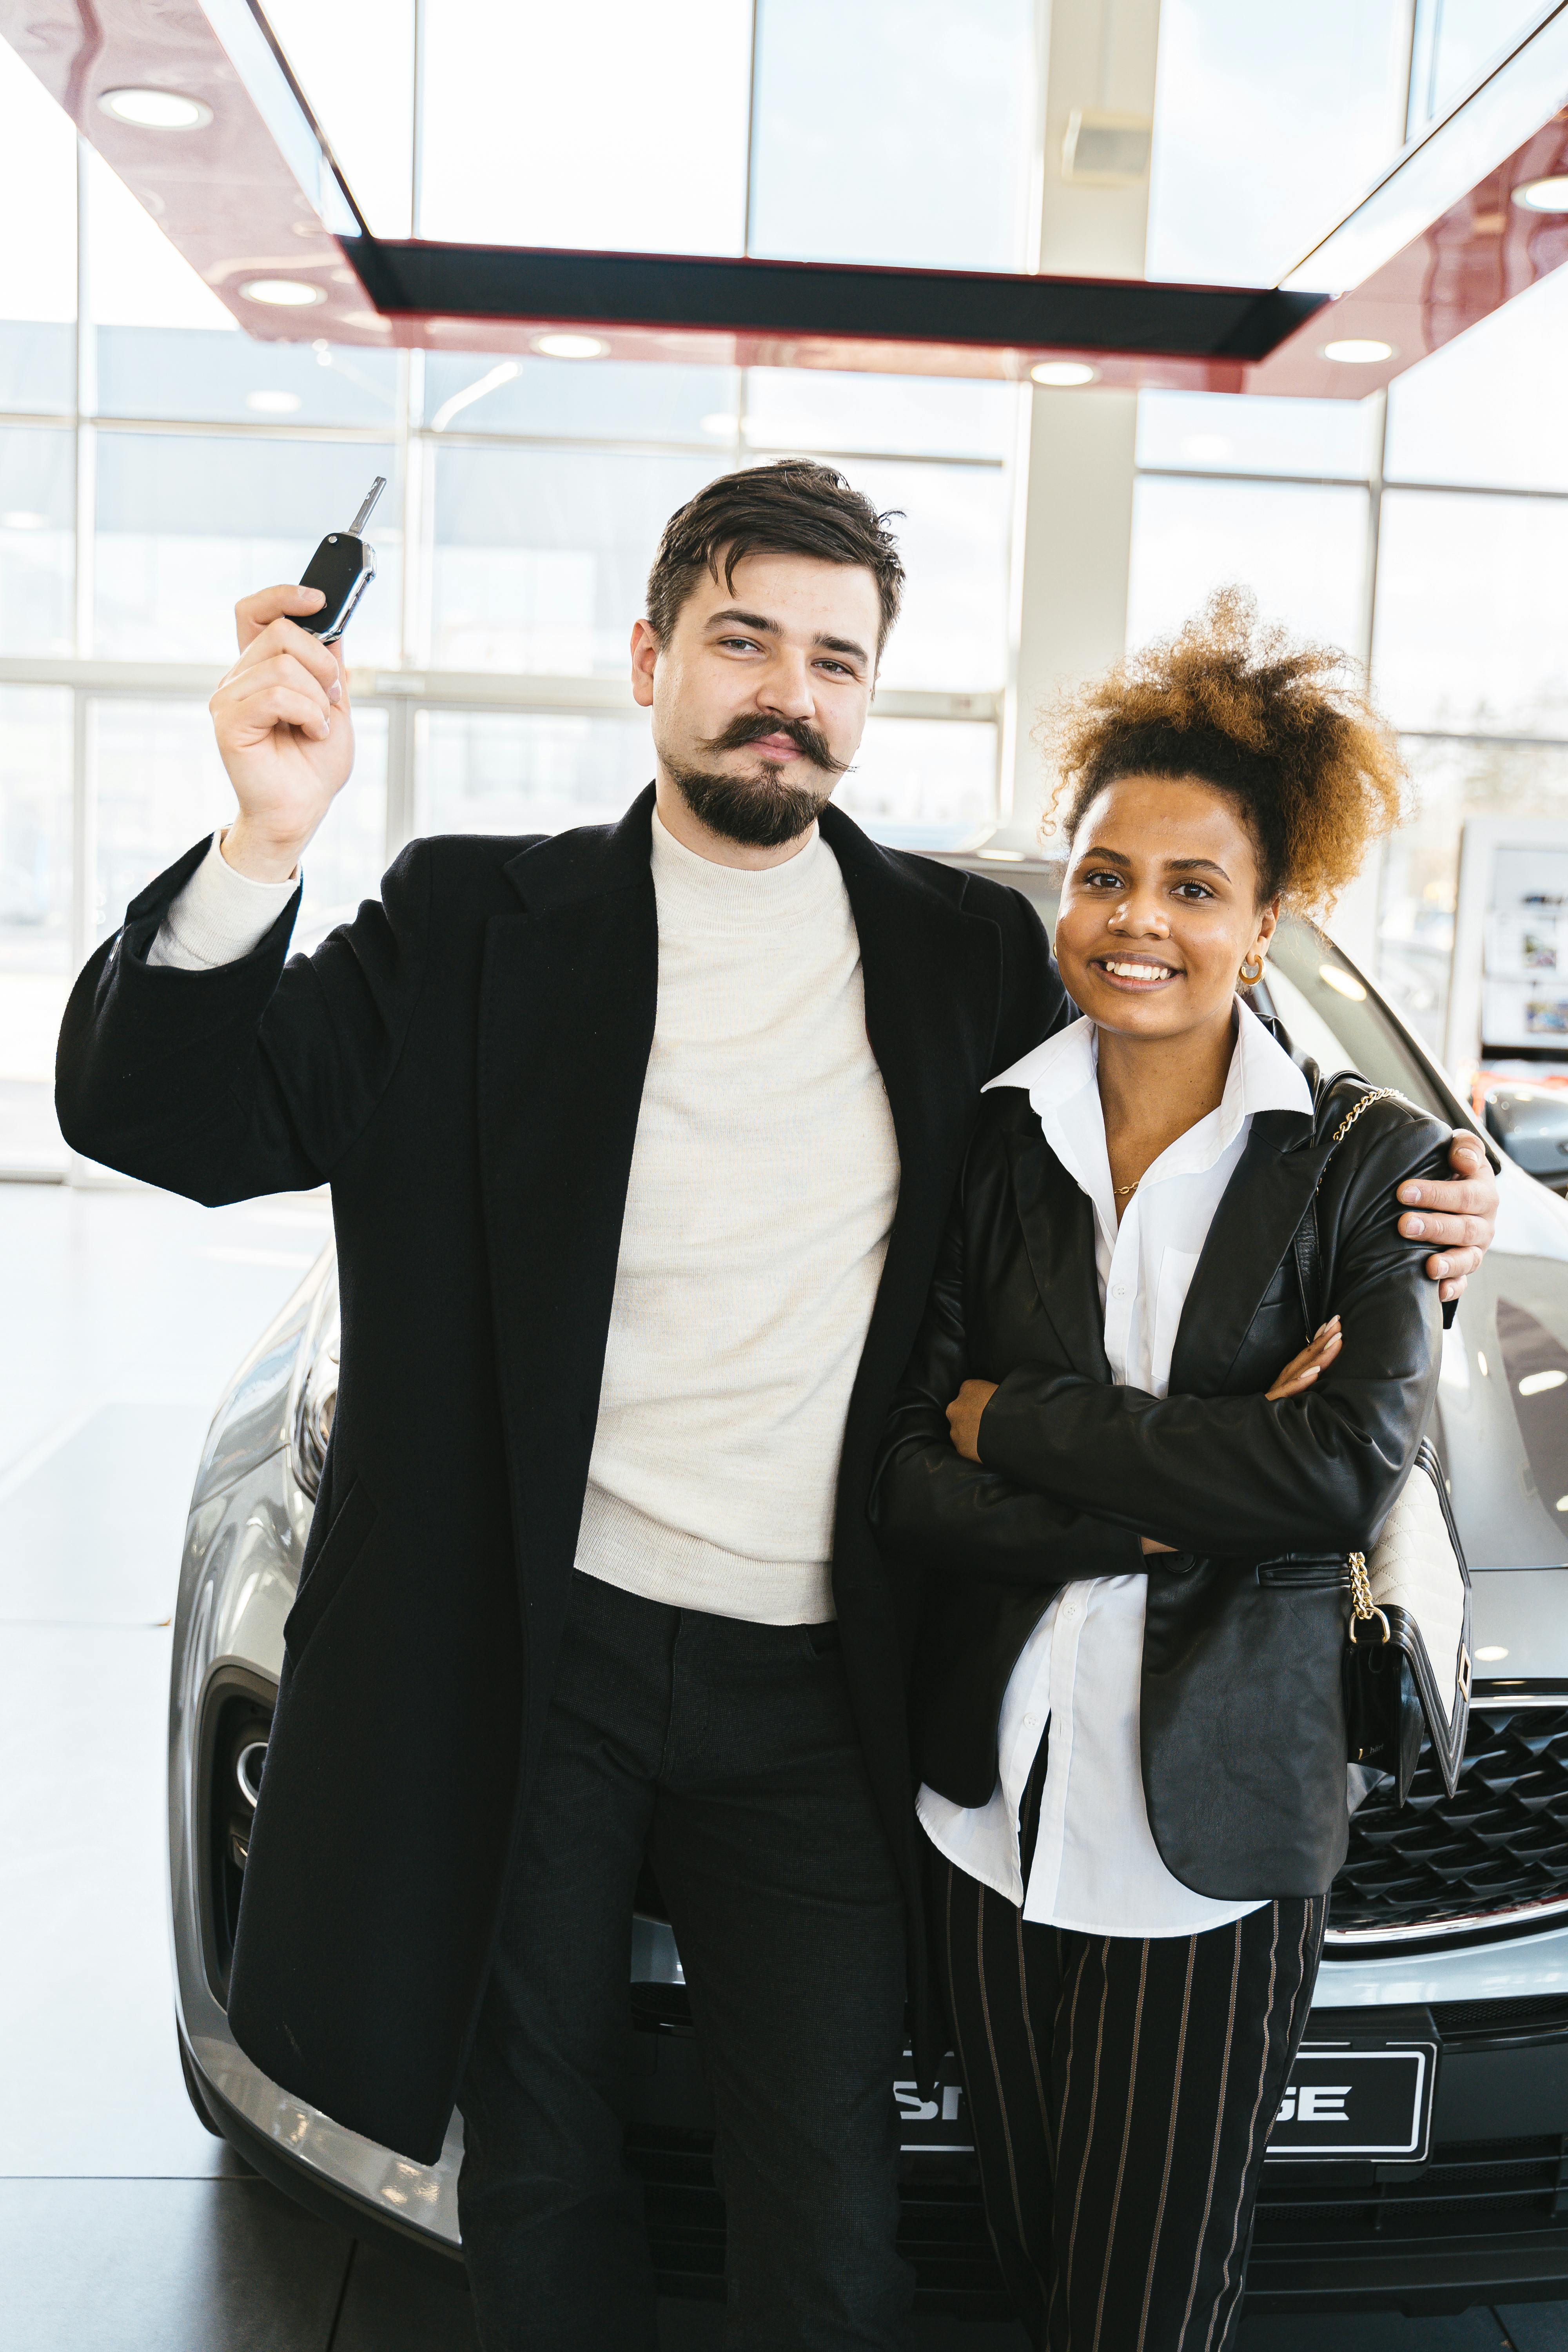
(464, 1063)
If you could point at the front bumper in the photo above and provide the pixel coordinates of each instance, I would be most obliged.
(1485, 2219)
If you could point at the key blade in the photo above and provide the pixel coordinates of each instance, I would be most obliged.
(364, 513)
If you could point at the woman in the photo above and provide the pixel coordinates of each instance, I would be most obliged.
(1133, 1471)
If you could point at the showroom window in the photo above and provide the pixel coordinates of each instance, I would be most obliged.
(1427, 530)
(156, 463)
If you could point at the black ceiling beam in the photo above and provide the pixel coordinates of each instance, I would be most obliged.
(811, 299)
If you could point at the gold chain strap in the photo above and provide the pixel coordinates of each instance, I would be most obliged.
(1378, 1094)
(1364, 1607)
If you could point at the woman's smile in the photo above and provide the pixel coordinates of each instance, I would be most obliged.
(1139, 973)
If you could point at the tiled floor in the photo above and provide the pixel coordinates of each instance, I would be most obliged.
(124, 2227)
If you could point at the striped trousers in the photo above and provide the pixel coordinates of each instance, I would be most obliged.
(1120, 2094)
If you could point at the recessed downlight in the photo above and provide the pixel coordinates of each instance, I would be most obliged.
(1491, 1656)
(272, 403)
(1358, 351)
(570, 347)
(1343, 983)
(282, 293)
(1064, 373)
(155, 110)
(1548, 196)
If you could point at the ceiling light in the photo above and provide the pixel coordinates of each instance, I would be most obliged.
(570, 347)
(1342, 983)
(1549, 196)
(272, 403)
(22, 519)
(1490, 1655)
(726, 425)
(155, 110)
(1358, 351)
(1063, 372)
(282, 293)
(1538, 1383)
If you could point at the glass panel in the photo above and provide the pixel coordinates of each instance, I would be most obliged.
(1488, 407)
(136, 278)
(597, 126)
(187, 526)
(1301, 552)
(34, 919)
(1455, 42)
(159, 786)
(1494, 656)
(805, 409)
(541, 555)
(38, 267)
(1454, 780)
(510, 772)
(37, 500)
(954, 535)
(354, 62)
(191, 373)
(610, 400)
(1270, 124)
(896, 131)
(1212, 432)
(923, 783)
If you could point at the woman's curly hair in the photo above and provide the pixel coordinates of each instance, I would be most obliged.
(1284, 728)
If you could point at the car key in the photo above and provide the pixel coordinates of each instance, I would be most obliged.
(342, 568)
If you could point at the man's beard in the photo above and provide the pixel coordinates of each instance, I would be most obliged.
(758, 811)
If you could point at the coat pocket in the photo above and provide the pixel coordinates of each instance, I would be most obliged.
(326, 1572)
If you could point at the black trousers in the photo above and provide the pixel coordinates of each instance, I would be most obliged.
(1121, 2093)
(727, 1753)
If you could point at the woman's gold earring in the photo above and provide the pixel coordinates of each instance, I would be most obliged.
(1249, 977)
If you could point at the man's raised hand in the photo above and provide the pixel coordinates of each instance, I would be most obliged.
(284, 733)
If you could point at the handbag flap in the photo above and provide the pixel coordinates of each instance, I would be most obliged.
(1416, 1568)
(1419, 1580)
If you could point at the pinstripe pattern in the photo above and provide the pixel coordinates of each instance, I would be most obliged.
(1122, 2108)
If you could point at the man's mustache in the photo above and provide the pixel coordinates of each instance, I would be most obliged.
(807, 740)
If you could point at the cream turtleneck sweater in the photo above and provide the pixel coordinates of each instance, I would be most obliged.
(763, 1187)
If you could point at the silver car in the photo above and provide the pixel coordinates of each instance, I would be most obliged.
(1420, 2161)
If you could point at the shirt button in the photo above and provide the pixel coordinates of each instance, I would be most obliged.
(1118, 1291)
(1031, 1723)
(1072, 1608)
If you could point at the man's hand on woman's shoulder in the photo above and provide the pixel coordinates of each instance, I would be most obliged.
(1459, 1217)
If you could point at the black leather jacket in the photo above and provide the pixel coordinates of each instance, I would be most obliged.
(1242, 1727)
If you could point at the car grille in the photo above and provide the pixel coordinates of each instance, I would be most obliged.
(1468, 2189)
(1499, 1843)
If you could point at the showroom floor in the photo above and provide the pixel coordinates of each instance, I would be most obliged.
(124, 2226)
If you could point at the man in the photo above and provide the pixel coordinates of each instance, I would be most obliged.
(640, 1141)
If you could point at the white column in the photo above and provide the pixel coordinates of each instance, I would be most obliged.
(1073, 521)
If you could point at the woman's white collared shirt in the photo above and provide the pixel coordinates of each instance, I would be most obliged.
(1096, 1866)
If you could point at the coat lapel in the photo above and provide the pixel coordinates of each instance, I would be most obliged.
(566, 1018)
(1264, 1202)
(932, 978)
(1057, 1222)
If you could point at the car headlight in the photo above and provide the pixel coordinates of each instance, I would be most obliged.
(316, 1395)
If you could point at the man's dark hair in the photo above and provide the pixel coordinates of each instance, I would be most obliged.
(794, 506)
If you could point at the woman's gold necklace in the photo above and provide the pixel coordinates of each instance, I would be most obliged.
(1123, 1189)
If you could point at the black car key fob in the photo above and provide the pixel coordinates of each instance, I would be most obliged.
(342, 568)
